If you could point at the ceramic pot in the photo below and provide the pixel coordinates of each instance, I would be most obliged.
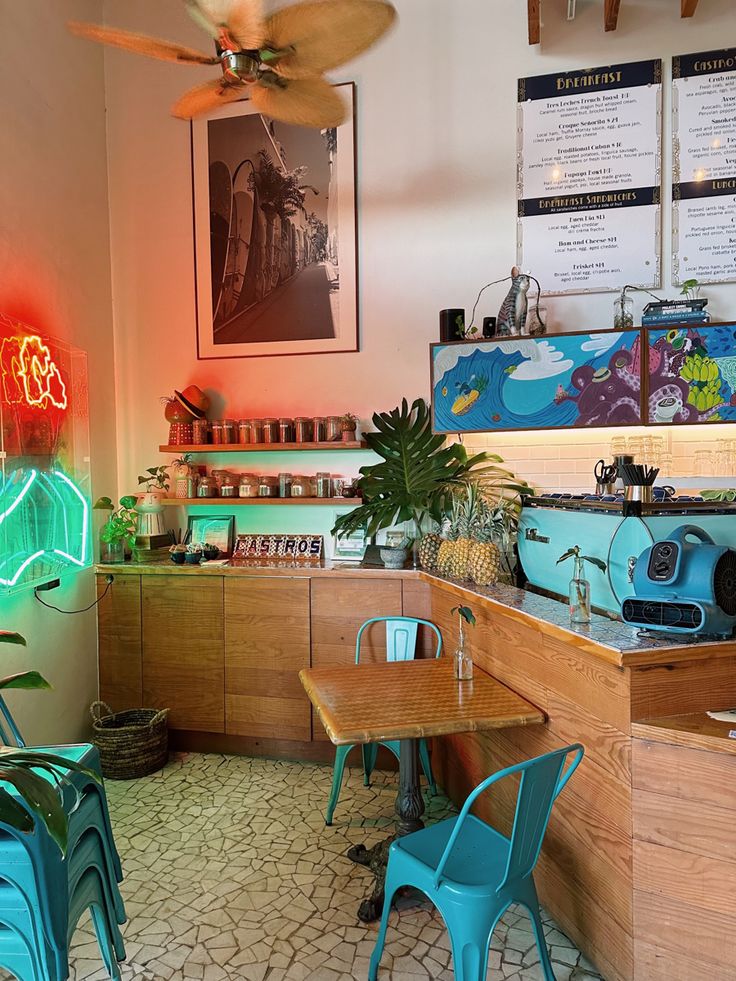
(394, 558)
(192, 558)
(178, 557)
(150, 513)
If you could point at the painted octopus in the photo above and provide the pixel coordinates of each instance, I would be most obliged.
(607, 397)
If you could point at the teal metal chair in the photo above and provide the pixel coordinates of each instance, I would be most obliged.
(473, 873)
(401, 644)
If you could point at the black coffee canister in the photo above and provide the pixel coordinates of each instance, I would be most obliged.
(452, 323)
(489, 326)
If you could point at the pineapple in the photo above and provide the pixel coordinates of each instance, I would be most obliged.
(484, 562)
(467, 521)
(429, 550)
(447, 548)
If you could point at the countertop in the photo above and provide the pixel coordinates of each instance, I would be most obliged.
(608, 639)
(696, 731)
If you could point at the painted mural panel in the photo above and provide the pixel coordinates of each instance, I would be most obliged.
(553, 382)
(692, 374)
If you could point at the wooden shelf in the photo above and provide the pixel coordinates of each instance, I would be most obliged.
(335, 502)
(262, 447)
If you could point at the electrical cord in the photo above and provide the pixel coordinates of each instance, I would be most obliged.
(109, 580)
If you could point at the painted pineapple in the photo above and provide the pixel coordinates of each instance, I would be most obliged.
(484, 562)
(429, 550)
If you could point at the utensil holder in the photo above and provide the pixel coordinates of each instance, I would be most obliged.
(639, 492)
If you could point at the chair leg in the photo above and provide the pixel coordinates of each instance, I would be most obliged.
(105, 940)
(427, 766)
(341, 755)
(470, 947)
(538, 927)
(390, 888)
(370, 753)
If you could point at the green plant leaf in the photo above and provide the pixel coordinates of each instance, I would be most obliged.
(10, 637)
(575, 550)
(103, 504)
(129, 501)
(598, 563)
(14, 814)
(41, 797)
(29, 680)
(465, 612)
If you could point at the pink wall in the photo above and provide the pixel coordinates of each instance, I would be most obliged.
(436, 164)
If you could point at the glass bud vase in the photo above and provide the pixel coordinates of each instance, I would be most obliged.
(112, 552)
(579, 595)
(462, 661)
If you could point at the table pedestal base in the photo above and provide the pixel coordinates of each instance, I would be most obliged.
(409, 810)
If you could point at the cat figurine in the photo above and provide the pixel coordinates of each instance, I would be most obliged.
(512, 315)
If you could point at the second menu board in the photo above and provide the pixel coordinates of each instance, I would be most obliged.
(589, 177)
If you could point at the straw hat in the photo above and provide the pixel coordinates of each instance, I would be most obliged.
(193, 399)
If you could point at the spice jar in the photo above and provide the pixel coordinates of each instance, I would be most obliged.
(268, 487)
(200, 431)
(286, 430)
(217, 431)
(319, 434)
(227, 486)
(256, 430)
(244, 431)
(285, 481)
(334, 428)
(207, 487)
(301, 486)
(229, 431)
(270, 430)
(303, 429)
(248, 486)
(324, 485)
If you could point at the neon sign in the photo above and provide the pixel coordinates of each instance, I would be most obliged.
(30, 374)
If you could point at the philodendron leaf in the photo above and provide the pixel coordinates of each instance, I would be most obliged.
(575, 550)
(598, 563)
(103, 504)
(465, 612)
(129, 501)
(41, 798)
(13, 813)
(10, 637)
(25, 679)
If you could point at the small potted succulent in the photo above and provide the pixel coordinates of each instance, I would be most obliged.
(348, 427)
(178, 554)
(185, 476)
(193, 554)
(209, 551)
(119, 531)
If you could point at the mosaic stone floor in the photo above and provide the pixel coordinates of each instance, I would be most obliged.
(230, 873)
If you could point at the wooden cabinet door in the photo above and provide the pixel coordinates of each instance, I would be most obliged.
(183, 650)
(266, 645)
(119, 640)
(339, 607)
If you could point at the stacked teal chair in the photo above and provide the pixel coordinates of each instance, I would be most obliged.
(401, 644)
(473, 873)
(42, 893)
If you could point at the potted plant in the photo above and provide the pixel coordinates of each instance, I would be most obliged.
(209, 551)
(462, 661)
(23, 769)
(185, 481)
(178, 554)
(348, 426)
(149, 506)
(119, 531)
(415, 479)
(579, 588)
(193, 554)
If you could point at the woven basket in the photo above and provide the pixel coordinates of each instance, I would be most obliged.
(133, 743)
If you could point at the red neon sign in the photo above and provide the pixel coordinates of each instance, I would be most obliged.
(30, 374)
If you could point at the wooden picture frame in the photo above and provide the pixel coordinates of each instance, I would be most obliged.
(556, 381)
(217, 529)
(275, 234)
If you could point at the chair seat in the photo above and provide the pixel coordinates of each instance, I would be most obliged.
(477, 860)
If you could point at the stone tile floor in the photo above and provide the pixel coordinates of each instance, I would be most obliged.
(230, 873)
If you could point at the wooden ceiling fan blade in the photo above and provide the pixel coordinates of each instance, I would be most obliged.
(206, 97)
(242, 19)
(302, 102)
(325, 33)
(141, 44)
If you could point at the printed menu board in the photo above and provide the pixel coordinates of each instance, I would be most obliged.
(588, 177)
(704, 167)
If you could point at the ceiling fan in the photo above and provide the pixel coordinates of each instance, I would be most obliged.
(277, 61)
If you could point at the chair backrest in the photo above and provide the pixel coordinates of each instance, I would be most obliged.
(542, 780)
(12, 727)
(401, 637)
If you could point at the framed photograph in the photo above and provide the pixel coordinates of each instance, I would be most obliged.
(349, 548)
(557, 381)
(215, 529)
(274, 235)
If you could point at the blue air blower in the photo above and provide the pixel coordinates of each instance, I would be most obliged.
(684, 587)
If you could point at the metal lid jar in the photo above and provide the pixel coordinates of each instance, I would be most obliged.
(207, 487)
(248, 485)
(270, 430)
(268, 487)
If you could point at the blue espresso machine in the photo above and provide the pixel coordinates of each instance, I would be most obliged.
(616, 531)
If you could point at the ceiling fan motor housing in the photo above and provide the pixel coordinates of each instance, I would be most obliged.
(683, 586)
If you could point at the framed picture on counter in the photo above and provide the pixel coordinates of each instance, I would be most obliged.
(274, 234)
(557, 381)
(215, 529)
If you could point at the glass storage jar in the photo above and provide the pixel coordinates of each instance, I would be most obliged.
(301, 486)
(303, 429)
(244, 430)
(319, 434)
(248, 485)
(256, 430)
(324, 485)
(285, 482)
(270, 430)
(286, 430)
(268, 487)
(217, 431)
(207, 486)
(334, 428)
(200, 432)
(227, 486)
(229, 431)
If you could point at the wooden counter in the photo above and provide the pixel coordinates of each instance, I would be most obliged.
(222, 647)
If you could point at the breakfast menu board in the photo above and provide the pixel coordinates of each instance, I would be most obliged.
(589, 176)
(704, 167)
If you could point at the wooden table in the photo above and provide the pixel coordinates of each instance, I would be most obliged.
(370, 703)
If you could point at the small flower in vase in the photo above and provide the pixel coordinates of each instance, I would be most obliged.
(462, 661)
(579, 589)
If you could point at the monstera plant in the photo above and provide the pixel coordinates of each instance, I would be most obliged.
(36, 776)
(417, 475)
